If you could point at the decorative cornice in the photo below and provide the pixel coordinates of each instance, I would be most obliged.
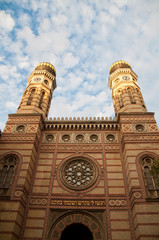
(81, 124)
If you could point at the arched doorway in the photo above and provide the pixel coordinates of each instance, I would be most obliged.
(85, 225)
(76, 231)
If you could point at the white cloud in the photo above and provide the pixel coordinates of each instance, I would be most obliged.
(11, 105)
(7, 23)
(69, 60)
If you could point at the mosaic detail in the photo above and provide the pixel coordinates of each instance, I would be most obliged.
(79, 148)
(127, 128)
(141, 138)
(47, 148)
(152, 127)
(35, 201)
(117, 203)
(138, 119)
(137, 195)
(18, 138)
(24, 120)
(8, 129)
(110, 147)
(32, 128)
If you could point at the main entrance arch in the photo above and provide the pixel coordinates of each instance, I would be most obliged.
(79, 223)
(76, 231)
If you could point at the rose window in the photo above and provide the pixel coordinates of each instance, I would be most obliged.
(79, 174)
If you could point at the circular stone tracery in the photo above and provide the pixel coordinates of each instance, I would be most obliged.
(79, 174)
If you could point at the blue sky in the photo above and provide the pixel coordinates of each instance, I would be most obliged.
(81, 39)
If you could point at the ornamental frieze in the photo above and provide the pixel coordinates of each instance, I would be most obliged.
(24, 119)
(137, 119)
(141, 138)
(79, 148)
(38, 201)
(17, 138)
(117, 203)
(111, 147)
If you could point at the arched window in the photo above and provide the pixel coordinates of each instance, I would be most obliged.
(130, 93)
(8, 166)
(31, 96)
(41, 98)
(120, 99)
(151, 176)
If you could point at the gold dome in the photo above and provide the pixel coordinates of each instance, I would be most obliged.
(118, 64)
(46, 66)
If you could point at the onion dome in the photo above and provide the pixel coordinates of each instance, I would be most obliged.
(118, 64)
(46, 66)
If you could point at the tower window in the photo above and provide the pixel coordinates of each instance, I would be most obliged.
(151, 176)
(46, 82)
(6, 173)
(121, 104)
(129, 90)
(31, 96)
(41, 99)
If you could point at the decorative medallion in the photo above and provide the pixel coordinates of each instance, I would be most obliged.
(79, 138)
(78, 173)
(49, 138)
(110, 137)
(20, 129)
(140, 127)
(94, 138)
(66, 138)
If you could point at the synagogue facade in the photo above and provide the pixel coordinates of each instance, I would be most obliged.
(80, 178)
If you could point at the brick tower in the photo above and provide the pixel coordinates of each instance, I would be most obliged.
(80, 178)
